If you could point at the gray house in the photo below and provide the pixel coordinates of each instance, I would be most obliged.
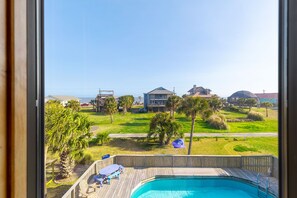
(156, 99)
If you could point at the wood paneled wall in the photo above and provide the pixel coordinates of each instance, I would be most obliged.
(13, 98)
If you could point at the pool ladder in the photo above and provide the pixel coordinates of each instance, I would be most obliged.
(262, 194)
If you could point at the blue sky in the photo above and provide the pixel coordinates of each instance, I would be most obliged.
(134, 46)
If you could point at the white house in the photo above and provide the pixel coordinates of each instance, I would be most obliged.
(63, 99)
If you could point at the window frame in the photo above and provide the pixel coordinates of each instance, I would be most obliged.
(287, 87)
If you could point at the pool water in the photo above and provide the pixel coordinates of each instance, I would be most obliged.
(198, 187)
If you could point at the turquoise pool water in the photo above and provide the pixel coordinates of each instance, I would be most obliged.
(198, 187)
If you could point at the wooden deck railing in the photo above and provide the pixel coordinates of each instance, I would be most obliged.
(92, 170)
(265, 164)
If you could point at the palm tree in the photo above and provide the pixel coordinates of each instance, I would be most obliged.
(215, 103)
(126, 102)
(67, 133)
(251, 102)
(110, 106)
(165, 128)
(93, 102)
(266, 105)
(241, 102)
(191, 107)
(173, 103)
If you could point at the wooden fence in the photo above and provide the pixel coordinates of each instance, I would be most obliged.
(265, 164)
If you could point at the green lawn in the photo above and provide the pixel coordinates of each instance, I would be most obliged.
(205, 146)
(139, 122)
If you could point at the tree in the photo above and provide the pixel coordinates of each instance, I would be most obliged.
(191, 107)
(224, 102)
(73, 104)
(266, 105)
(165, 128)
(93, 102)
(241, 102)
(67, 133)
(173, 103)
(250, 102)
(126, 102)
(110, 107)
(215, 103)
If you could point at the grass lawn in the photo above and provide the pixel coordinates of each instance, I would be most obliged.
(58, 190)
(205, 146)
(139, 122)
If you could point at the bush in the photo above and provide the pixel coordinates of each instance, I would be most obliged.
(242, 148)
(86, 158)
(181, 134)
(217, 122)
(255, 116)
(206, 114)
(100, 139)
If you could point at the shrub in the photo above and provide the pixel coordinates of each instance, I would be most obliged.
(181, 134)
(86, 158)
(217, 122)
(242, 148)
(255, 116)
(206, 114)
(101, 138)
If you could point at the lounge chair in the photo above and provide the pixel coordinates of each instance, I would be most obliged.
(113, 175)
(85, 188)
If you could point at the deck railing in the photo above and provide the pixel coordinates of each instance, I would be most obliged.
(265, 164)
(92, 170)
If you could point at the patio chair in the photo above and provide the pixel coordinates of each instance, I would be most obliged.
(85, 188)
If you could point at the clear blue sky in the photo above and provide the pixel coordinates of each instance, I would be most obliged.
(134, 46)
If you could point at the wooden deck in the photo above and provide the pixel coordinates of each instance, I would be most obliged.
(133, 176)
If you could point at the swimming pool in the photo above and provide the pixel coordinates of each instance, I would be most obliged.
(202, 187)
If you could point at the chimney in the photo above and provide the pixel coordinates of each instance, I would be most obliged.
(194, 86)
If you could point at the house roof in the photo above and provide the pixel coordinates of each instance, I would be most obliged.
(160, 90)
(61, 98)
(199, 89)
(243, 94)
(267, 95)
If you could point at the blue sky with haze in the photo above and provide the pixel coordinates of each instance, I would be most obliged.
(134, 46)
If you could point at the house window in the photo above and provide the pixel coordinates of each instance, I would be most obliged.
(53, 37)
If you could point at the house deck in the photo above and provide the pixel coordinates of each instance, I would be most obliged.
(133, 176)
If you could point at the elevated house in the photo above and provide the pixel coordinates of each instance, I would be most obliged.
(100, 99)
(156, 99)
(268, 97)
(63, 99)
(200, 92)
(233, 99)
